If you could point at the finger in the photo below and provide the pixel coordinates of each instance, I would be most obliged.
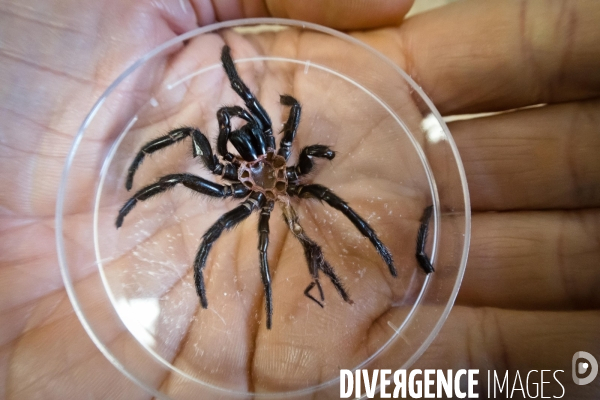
(208, 12)
(478, 56)
(491, 339)
(500, 340)
(538, 158)
(534, 260)
(354, 14)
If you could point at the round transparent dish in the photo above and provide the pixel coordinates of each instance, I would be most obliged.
(133, 287)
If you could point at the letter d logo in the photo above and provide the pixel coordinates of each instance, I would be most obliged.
(583, 367)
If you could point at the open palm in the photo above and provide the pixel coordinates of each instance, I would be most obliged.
(529, 298)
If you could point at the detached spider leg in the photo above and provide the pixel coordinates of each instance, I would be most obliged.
(324, 194)
(290, 127)
(422, 258)
(314, 258)
(227, 221)
(263, 244)
(249, 99)
(190, 181)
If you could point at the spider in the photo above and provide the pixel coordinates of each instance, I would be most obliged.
(260, 175)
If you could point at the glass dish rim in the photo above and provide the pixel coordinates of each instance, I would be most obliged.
(66, 276)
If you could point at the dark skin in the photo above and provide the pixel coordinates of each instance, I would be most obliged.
(529, 299)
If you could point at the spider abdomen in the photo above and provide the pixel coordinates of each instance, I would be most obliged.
(265, 175)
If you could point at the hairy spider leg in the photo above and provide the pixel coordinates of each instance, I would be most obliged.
(201, 147)
(196, 183)
(174, 136)
(227, 221)
(305, 161)
(263, 244)
(314, 258)
(324, 194)
(246, 95)
(422, 258)
(291, 125)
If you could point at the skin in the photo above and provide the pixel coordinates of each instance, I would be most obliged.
(529, 299)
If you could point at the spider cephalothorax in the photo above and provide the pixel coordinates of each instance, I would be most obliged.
(260, 175)
(266, 174)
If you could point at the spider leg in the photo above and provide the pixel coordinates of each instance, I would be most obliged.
(422, 259)
(227, 221)
(324, 194)
(310, 296)
(249, 142)
(328, 270)
(305, 161)
(193, 182)
(320, 291)
(314, 258)
(263, 244)
(290, 127)
(174, 136)
(246, 95)
(201, 147)
(224, 115)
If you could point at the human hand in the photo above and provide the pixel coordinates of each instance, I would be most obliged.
(528, 299)
(40, 312)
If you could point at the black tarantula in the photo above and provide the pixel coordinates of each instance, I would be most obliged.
(260, 175)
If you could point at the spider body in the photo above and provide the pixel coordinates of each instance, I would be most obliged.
(259, 174)
(267, 175)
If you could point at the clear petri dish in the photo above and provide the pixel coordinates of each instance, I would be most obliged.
(394, 158)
